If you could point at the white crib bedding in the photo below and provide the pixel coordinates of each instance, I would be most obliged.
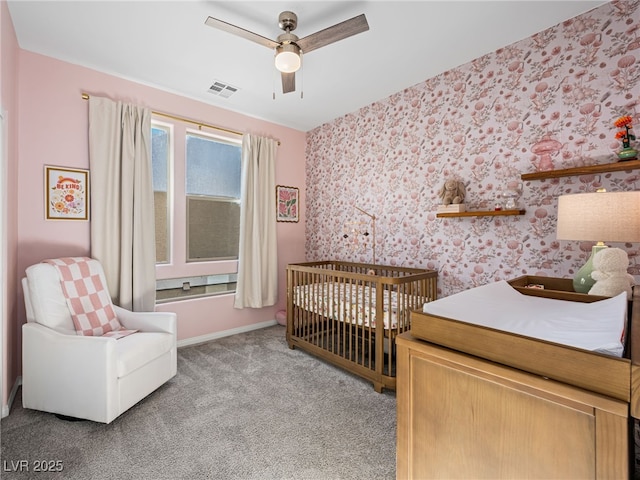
(597, 326)
(347, 302)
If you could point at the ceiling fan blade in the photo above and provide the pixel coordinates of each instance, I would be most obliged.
(332, 34)
(288, 82)
(241, 32)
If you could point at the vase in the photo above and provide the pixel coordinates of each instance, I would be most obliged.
(627, 153)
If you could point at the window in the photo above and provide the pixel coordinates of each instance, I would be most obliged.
(160, 155)
(213, 198)
(196, 183)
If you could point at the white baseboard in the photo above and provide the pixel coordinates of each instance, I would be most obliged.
(225, 333)
(7, 408)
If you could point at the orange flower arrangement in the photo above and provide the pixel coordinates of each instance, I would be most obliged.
(624, 135)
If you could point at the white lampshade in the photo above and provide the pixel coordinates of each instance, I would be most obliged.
(599, 217)
(288, 58)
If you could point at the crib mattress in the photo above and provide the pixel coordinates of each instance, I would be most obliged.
(597, 326)
(347, 302)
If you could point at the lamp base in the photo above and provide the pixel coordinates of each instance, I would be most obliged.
(583, 282)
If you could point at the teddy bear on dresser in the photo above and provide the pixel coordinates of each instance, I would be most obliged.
(610, 273)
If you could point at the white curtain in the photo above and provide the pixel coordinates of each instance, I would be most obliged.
(122, 211)
(257, 258)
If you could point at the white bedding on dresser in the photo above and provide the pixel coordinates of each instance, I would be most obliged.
(597, 326)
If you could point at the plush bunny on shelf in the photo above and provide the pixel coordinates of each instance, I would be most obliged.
(452, 192)
(610, 273)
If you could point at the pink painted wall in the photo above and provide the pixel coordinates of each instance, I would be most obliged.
(479, 123)
(53, 131)
(9, 104)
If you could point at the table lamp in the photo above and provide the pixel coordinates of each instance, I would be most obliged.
(600, 217)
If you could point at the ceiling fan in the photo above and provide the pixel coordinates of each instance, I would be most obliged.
(288, 47)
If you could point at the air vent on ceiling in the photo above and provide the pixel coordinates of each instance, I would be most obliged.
(222, 89)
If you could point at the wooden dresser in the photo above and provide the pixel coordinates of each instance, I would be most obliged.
(465, 412)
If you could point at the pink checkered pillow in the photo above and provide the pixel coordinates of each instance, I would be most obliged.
(88, 299)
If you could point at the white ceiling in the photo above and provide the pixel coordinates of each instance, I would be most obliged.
(166, 44)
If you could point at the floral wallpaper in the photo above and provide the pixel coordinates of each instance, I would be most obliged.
(547, 102)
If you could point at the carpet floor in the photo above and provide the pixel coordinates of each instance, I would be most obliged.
(240, 407)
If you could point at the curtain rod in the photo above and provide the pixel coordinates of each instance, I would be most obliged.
(85, 96)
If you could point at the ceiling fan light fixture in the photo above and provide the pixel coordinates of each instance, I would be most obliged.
(289, 48)
(288, 58)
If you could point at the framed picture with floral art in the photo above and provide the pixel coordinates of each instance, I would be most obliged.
(286, 204)
(66, 193)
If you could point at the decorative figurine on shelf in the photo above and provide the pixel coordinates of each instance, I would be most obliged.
(546, 148)
(452, 192)
(627, 153)
(610, 273)
(511, 195)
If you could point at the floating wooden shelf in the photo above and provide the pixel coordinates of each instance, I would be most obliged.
(567, 172)
(481, 213)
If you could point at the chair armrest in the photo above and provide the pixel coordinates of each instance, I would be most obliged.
(61, 344)
(147, 321)
(53, 361)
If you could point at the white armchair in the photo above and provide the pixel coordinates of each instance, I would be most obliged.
(89, 377)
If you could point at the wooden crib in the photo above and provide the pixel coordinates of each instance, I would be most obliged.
(350, 313)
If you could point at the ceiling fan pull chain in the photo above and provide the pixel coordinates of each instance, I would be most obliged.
(273, 82)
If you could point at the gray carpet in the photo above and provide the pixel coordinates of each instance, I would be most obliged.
(241, 407)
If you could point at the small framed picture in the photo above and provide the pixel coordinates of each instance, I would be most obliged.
(66, 193)
(287, 204)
